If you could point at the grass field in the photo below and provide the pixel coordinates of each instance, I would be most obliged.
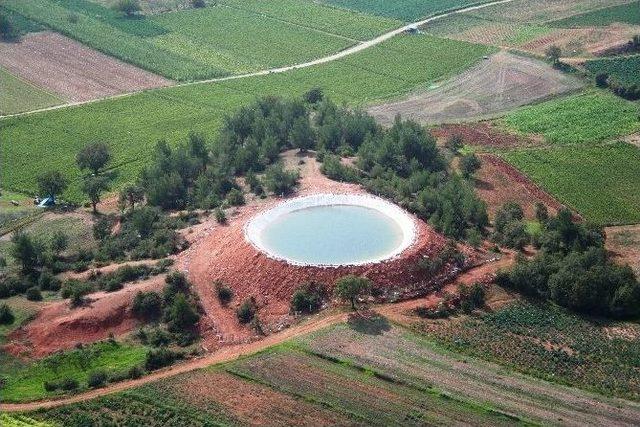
(552, 343)
(17, 95)
(600, 182)
(588, 117)
(406, 10)
(626, 13)
(133, 124)
(23, 381)
(625, 69)
(210, 42)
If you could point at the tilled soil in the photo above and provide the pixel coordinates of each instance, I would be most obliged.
(72, 70)
(494, 86)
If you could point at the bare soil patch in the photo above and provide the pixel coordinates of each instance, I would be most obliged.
(501, 83)
(497, 182)
(623, 242)
(72, 70)
(483, 134)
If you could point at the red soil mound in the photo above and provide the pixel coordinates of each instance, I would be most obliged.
(58, 327)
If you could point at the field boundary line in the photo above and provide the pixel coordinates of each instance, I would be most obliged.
(323, 60)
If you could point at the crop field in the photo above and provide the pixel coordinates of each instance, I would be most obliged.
(625, 69)
(600, 182)
(550, 342)
(211, 42)
(23, 381)
(406, 10)
(21, 421)
(391, 69)
(368, 373)
(625, 13)
(17, 95)
(501, 83)
(584, 118)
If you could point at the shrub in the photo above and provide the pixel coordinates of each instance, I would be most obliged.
(158, 337)
(235, 197)
(48, 282)
(128, 7)
(147, 305)
(469, 164)
(69, 384)
(247, 310)
(198, 4)
(33, 294)
(176, 282)
(135, 372)
(280, 181)
(156, 359)
(181, 314)
(221, 217)
(51, 386)
(7, 30)
(454, 143)
(542, 212)
(225, 294)
(308, 297)
(313, 95)
(6, 315)
(75, 290)
(97, 379)
(471, 297)
(602, 79)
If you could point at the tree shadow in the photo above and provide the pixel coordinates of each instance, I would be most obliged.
(369, 323)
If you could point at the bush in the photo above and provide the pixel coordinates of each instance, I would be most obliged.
(313, 95)
(69, 384)
(7, 30)
(225, 294)
(469, 164)
(6, 315)
(147, 305)
(33, 294)
(128, 7)
(156, 359)
(51, 386)
(97, 379)
(221, 217)
(471, 297)
(280, 181)
(135, 372)
(247, 310)
(454, 143)
(158, 337)
(181, 314)
(308, 297)
(176, 282)
(198, 4)
(75, 290)
(48, 282)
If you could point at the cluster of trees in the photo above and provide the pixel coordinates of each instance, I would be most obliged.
(626, 91)
(8, 31)
(177, 308)
(572, 269)
(310, 296)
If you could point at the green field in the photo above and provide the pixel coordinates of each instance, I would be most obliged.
(7, 420)
(406, 10)
(627, 13)
(552, 343)
(133, 124)
(17, 95)
(23, 381)
(211, 42)
(600, 182)
(589, 117)
(625, 69)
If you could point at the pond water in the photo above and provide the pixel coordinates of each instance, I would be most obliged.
(332, 235)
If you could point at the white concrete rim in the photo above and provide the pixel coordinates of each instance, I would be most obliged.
(255, 226)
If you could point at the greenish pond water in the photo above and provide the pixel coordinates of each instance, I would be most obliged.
(336, 234)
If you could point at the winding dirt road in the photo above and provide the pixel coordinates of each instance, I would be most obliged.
(333, 57)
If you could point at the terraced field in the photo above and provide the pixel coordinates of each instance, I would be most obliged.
(17, 95)
(203, 43)
(350, 374)
(397, 66)
(600, 182)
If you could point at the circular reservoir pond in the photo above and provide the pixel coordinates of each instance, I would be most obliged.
(332, 230)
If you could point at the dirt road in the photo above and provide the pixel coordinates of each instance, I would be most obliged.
(343, 53)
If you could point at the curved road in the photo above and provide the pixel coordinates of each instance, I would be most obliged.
(346, 52)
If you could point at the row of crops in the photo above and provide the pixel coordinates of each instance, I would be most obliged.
(625, 69)
(210, 42)
(625, 13)
(133, 124)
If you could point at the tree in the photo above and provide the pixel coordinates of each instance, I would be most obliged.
(198, 4)
(182, 315)
(93, 186)
(7, 29)
(247, 310)
(469, 164)
(542, 212)
(602, 79)
(313, 95)
(147, 305)
(308, 297)
(350, 287)
(128, 7)
(26, 251)
(454, 143)
(93, 157)
(280, 181)
(51, 184)
(301, 135)
(130, 195)
(553, 53)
